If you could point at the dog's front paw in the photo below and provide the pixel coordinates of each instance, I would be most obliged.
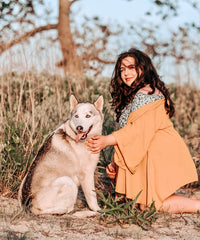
(95, 208)
(83, 214)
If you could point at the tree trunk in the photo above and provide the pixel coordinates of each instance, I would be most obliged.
(71, 63)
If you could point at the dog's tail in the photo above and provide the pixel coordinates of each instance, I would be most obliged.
(20, 192)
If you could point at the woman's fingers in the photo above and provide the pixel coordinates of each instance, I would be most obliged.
(92, 141)
(94, 148)
(96, 137)
(111, 170)
(94, 144)
(111, 167)
(110, 175)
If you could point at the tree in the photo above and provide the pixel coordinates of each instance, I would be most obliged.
(20, 22)
(71, 61)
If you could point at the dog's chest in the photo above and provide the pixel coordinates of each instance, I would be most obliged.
(87, 161)
(70, 157)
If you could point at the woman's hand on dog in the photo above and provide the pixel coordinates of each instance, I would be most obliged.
(96, 143)
(99, 142)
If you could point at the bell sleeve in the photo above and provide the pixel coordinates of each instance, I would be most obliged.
(134, 139)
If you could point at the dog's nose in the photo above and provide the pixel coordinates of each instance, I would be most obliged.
(79, 128)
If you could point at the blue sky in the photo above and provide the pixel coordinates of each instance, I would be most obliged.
(123, 11)
(119, 10)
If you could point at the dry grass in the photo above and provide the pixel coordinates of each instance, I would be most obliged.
(32, 106)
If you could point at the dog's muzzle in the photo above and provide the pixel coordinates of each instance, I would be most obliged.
(80, 134)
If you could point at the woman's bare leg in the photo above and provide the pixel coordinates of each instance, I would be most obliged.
(180, 204)
(193, 197)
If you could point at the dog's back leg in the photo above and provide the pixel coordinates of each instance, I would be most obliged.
(57, 198)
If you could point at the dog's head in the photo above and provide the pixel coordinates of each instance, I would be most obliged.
(86, 118)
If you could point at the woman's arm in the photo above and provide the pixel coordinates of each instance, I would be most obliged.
(99, 142)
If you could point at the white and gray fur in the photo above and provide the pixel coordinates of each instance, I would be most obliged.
(64, 163)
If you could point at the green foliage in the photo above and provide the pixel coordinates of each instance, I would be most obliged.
(11, 155)
(16, 155)
(123, 211)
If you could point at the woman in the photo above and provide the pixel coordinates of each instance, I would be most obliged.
(149, 153)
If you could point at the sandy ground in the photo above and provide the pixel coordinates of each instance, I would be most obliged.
(16, 225)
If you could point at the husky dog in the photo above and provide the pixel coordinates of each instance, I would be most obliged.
(64, 162)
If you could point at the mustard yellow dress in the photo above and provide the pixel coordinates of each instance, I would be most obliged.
(150, 155)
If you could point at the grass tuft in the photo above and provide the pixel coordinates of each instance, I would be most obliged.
(123, 211)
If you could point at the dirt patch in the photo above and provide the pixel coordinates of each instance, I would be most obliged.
(17, 225)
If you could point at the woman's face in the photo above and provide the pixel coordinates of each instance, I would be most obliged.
(128, 70)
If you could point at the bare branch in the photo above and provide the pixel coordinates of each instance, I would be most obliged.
(71, 2)
(5, 46)
(100, 60)
(8, 25)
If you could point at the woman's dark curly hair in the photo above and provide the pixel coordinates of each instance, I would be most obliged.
(122, 94)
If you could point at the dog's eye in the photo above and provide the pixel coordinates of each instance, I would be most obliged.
(88, 116)
(76, 116)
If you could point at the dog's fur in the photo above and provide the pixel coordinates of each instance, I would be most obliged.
(64, 162)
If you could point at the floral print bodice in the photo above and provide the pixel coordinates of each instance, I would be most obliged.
(139, 100)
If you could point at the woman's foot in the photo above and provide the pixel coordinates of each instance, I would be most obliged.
(181, 204)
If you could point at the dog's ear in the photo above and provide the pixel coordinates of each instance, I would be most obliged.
(72, 102)
(99, 103)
